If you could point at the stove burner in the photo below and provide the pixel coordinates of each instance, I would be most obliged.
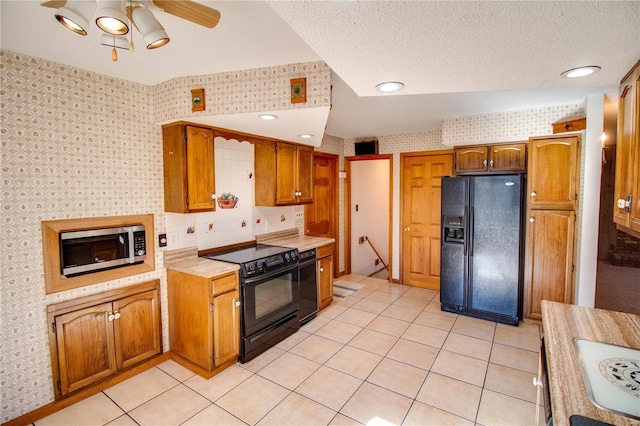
(624, 373)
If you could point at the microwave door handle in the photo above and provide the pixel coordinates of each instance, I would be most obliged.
(129, 234)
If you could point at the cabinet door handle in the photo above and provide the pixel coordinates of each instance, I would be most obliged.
(531, 220)
(407, 228)
(491, 163)
(537, 382)
(116, 314)
(533, 193)
(236, 303)
(484, 163)
(321, 269)
(213, 196)
(110, 316)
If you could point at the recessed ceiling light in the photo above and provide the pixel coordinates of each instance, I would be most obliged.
(267, 116)
(580, 71)
(389, 86)
(306, 135)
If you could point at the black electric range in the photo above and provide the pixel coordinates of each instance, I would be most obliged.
(269, 295)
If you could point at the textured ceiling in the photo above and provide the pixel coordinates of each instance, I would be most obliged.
(462, 46)
(455, 58)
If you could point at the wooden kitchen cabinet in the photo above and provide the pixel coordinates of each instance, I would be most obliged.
(189, 172)
(553, 172)
(552, 206)
(324, 255)
(204, 320)
(284, 173)
(626, 211)
(96, 337)
(498, 158)
(549, 264)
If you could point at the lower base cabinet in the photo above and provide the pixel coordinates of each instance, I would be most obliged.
(96, 337)
(204, 320)
(325, 276)
(549, 261)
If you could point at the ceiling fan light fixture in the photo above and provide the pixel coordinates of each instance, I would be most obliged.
(75, 15)
(152, 32)
(389, 86)
(580, 71)
(121, 42)
(111, 19)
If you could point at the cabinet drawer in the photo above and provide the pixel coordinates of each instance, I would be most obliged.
(324, 251)
(224, 284)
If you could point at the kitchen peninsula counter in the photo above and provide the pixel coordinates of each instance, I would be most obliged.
(562, 323)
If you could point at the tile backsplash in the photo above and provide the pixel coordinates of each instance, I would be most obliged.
(234, 168)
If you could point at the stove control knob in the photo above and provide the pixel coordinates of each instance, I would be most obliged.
(293, 255)
(286, 257)
(260, 264)
(251, 266)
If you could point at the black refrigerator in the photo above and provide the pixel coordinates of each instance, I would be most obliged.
(481, 270)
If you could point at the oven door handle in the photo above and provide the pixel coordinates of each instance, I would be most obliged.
(273, 326)
(292, 267)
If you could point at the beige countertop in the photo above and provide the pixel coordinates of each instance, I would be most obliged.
(187, 261)
(562, 323)
(301, 242)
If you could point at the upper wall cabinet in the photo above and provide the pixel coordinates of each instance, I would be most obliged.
(499, 158)
(553, 172)
(284, 173)
(189, 174)
(626, 212)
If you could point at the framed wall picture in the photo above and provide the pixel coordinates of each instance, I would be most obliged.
(197, 100)
(298, 90)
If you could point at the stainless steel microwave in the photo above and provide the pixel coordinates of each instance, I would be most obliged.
(92, 250)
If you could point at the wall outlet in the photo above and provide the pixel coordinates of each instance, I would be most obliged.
(162, 240)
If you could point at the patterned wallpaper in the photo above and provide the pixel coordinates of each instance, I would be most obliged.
(261, 89)
(505, 126)
(74, 144)
(80, 144)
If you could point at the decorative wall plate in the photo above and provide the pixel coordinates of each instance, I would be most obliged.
(227, 200)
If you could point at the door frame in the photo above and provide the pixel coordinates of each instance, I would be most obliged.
(404, 155)
(347, 209)
(334, 225)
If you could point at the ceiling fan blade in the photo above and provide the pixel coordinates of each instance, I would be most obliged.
(191, 11)
(55, 4)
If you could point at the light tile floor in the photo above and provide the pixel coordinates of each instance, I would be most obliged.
(383, 355)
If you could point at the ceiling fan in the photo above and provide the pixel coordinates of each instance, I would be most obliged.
(116, 17)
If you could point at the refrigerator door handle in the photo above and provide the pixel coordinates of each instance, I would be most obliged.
(466, 230)
(470, 231)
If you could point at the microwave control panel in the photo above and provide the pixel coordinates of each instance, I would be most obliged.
(139, 243)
